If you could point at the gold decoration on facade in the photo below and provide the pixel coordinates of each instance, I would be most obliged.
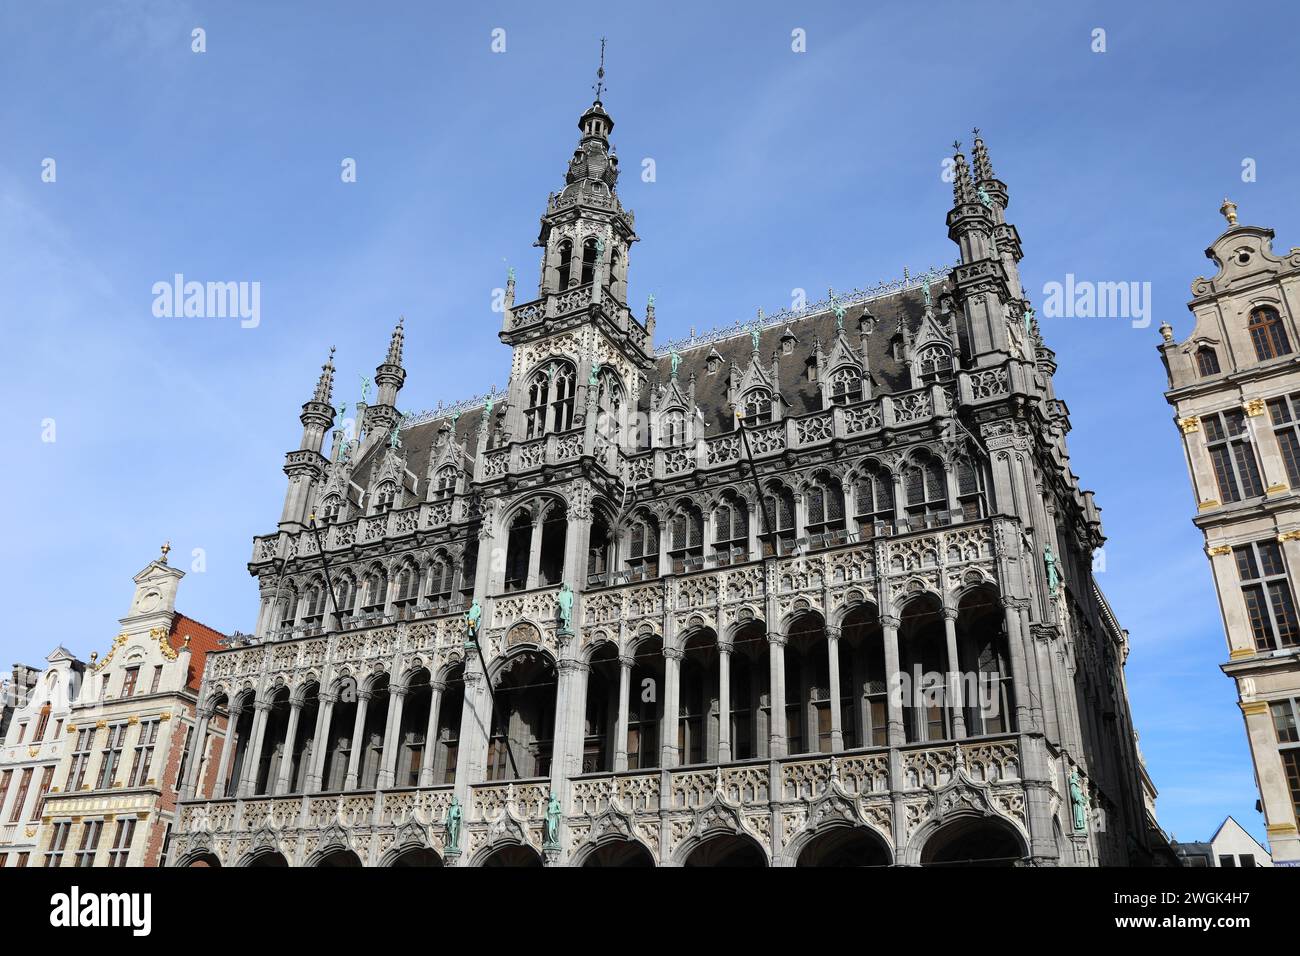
(117, 642)
(1254, 708)
(1286, 536)
(1189, 424)
(165, 715)
(1229, 211)
(160, 635)
(1254, 407)
(132, 720)
(33, 751)
(1216, 551)
(1280, 829)
(1239, 652)
(101, 724)
(30, 831)
(72, 728)
(1276, 489)
(1207, 504)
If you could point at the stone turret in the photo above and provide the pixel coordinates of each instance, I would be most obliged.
(305, 466)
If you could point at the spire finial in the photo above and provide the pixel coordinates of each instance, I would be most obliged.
(599, 85)
(325, 384)
(395, 343)
(1229, 211)
(167, 546)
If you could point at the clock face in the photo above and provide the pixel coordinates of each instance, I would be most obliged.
(148, 600)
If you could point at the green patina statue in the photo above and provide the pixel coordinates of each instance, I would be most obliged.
(985, 199)
(593, 379)
(365, 387)
(925, 292)
(343, 411)
(676, 361)
(471, 622)
(1029, 320)
(510, 274)
(1053, 572)
(564, 603)
(753, 332)
(394, 440)
(451, 821)
(1079, 801)
(553, 813)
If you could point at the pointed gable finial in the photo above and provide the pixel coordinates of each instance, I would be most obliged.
(980, 157)
(167, 546)
(325, 384)
(394, 356)
(599, 85)
(963, 190)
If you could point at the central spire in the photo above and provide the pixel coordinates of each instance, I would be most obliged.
(599, 85)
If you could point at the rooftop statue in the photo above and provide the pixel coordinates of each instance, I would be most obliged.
(564, 603)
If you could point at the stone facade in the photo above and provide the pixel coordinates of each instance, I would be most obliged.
(30, 752)
(119, 755)
(830, 579)
(1234, 383)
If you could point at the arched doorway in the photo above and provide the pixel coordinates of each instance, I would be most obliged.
(727, 850)
(204, 860)
(513, 855)
(619, 853)
(845, 846)
(525, 689)
(973, 842)
(271, 858)
(417, 856)
(339, 858)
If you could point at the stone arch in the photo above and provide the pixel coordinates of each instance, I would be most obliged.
(412, 854)
(969, 838)
(722, 848)
(335, 856)
(200, 858)
(615, 850)
(839, 843)
(264, 856)
(507, 852)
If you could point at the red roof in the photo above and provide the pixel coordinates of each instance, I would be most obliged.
(203, 639)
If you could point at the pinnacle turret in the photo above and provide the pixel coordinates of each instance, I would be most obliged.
(983, 167)
(394, 356)
(325, 384)
(963, 190)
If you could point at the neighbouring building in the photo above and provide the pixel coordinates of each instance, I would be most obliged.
(1234, 383)
(31, 750)
(1231, 846)
(128, 735)
(818, 590)
(15, 687)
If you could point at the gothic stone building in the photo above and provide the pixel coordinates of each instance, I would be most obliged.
(831, 585)
(1235, 386)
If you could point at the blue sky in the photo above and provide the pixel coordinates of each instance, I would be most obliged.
(775, 170)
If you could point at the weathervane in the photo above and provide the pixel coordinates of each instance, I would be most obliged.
(599, 86)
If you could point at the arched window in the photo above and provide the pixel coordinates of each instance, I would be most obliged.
(441, 576)
(846, 385)
(825, 525)
(970, 490)
(374, 594)
(672, 428)
(444, 482)
(385, 497)
(313, 613)
(610, 392)
(566, 259)
(686, 540)
(875, 500)
(347, 596)
(332, 509)
(926, 490)
(408, 591)
(600, 548)
(519, 546)
(288, 610)
(1207, 361)
(934, 363)
(589, 254)
(757, 407)
(731, 530)
(1267, 334)
(776, 520)
(550, 400)
(643, 547)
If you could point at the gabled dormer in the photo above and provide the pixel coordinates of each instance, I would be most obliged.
(842, 379)
(387, 491)
(754, 393)
(933, 351)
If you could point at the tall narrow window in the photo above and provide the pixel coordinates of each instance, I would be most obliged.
(38, 807)
(347, 596)
(566, 261)
(926, 490)
(519, 546)
(144, 746)
(686, 541)
(1285, 714)
(970, 490)
(408, 592)
(129, 680)
(441, 577)
(731, 530)
(643, 548)
(89, 842)
(111, 756)
(5, 777)
(1207, 361)
(42, 721)
(121, 850)
(562, 404)
(825, 512)
(589, 254)
(1270, 604)
(1235, 468)
(58, 843)
(1285, 412)
(539, 394)
(672, 429)
(375, 596)
(20, 797)
(934, 363)
(80, 760)
(875, 500)
(313, 613)
(156, 680)
(776, 520)
(758, 407)
(1268, 334)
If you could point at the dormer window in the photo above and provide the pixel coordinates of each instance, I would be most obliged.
(444, 483)
(385, 497)
(332, 509)
(934, 363)
(1207, 361)
(758, 407)
(714, 364)
(846, 386)
(1267, 334)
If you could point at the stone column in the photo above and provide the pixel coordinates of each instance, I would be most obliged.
(431, 733)
(724, 701)
(534, 553)
(319, 744)
(672, 707)
(776, 695)
(1019, 667)
(475, 724)
(189, 786)
(837, 716)
(283, 780)
(954, 691)
(570, 700)
(222, 788)
(253, 755)
(358, 728)
(392, 737)
(893, 683)
(620, 727)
